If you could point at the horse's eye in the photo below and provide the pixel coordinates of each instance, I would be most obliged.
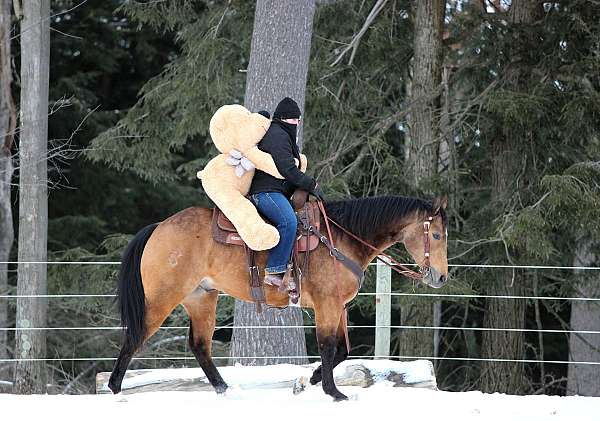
(436, 235)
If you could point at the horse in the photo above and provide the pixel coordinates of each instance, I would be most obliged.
(177, 262)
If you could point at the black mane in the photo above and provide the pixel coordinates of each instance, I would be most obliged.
(362, 216)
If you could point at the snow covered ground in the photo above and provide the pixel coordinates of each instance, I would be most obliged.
(379, 402)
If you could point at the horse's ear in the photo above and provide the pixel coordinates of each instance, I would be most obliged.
(439, 203)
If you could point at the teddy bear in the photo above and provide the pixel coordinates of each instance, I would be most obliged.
(226, 178)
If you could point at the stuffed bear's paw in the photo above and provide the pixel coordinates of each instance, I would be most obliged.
(260, 236)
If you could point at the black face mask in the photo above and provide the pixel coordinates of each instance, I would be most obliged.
(291, 129)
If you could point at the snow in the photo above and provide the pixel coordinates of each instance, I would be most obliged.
(378, 402)
(381, 401)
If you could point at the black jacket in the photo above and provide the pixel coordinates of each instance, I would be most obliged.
(281, 145)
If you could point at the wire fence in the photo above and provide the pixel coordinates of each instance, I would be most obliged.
(370, 264)
(317, 357)
(312, 357)
(478, 329)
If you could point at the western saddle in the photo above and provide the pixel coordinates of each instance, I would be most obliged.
(307, 240)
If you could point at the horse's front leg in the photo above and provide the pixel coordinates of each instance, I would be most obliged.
(340, 355)
(327, 316)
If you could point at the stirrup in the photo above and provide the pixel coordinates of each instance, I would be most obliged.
(285, 282)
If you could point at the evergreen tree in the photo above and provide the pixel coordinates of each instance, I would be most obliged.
(525, 117)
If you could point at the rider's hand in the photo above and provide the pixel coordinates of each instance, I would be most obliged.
(318, 193)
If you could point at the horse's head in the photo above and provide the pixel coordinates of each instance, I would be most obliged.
(426, 239)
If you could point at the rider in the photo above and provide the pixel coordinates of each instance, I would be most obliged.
(271, 195)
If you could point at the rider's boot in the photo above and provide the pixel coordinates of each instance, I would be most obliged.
(273, 279)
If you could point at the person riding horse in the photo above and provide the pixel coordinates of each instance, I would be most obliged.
(271, 195)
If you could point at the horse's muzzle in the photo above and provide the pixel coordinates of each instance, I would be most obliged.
(434, 278)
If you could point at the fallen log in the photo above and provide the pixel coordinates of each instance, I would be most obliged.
(361, 373)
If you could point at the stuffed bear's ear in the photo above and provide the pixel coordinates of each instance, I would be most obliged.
(265, 114)
(439, 203)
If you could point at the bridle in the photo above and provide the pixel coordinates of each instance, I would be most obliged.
(391, 262)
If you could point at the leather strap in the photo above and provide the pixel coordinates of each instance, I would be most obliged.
(294, 292)
(256, 289)
(338, 255)
(395, 264)
(426, 226)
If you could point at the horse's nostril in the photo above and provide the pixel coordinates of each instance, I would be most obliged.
(443, 279)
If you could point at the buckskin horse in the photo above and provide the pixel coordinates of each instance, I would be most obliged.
(178, 262)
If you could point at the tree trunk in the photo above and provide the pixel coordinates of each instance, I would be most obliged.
(503, 377)
(423, 145)
(279, 55)
(506, 377)
(278, 68)
(584, 380)
(30, 376)
(7, 129)
(423, 120)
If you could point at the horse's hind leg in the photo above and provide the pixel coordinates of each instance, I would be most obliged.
(155, 316)
(201, 307)
(341, 352)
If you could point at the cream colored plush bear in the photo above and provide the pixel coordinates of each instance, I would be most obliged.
(226, 178)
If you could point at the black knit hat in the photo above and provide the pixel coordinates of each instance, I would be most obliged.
(287, 108)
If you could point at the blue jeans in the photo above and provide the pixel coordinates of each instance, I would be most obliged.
(278, 210)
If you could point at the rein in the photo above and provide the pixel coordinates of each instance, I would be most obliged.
(395, 264)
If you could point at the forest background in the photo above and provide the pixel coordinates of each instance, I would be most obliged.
(494, 103)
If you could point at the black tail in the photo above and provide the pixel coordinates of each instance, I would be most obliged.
(130, 291)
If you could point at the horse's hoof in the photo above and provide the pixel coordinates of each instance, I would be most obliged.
(114, 388)
(339, 397)
(221, 388)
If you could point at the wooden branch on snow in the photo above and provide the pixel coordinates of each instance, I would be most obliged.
(351, 373)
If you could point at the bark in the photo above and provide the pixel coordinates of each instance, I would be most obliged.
(422, 151)
(503, 377)
(278, 68)
(279, 54)
(447, 165)
(584, 380)
(30, 376)
(7, 129)
(506, 377)
(423, 120)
